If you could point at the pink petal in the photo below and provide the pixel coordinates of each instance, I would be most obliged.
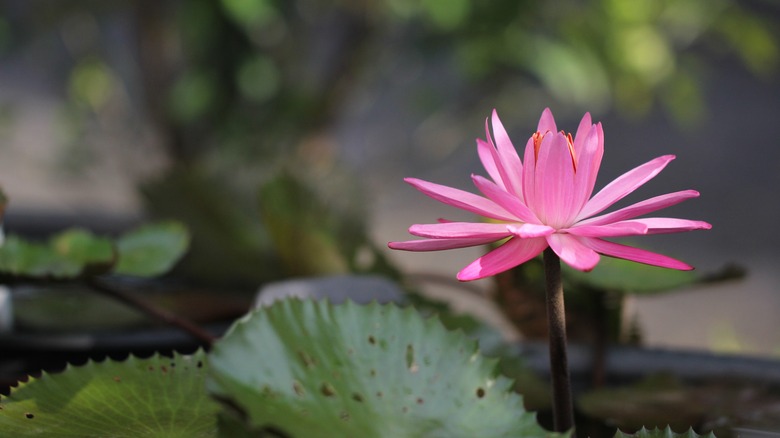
(582, 130)
(609, 230)
(503, 178)
(554, 190)
(613, 249)
(573, 252)
(664, 225)
(438, 244)
(460, 230)
(461, 199)
(507, 201)
(489, 158)
(510, 161)
(546, 122)
(623, 185)
(529, 175)
(530, 230)
(643, 207)
(507, 256)
(589, 148)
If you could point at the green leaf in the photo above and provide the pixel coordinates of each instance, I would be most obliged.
(665, 433)
(155, 397)
(84, 247)
(620, 275)
(147, 251)
(152, 250)
(304, 367)
(67, 255)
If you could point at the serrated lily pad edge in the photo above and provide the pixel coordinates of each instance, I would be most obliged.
(214, 384)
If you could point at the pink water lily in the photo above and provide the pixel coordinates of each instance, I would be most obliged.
(544, 200)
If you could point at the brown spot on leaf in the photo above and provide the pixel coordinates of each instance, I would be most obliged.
(307, 360)
(298, 388)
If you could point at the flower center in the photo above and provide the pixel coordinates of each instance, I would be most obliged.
(538, 137)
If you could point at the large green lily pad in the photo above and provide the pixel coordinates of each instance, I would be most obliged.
(154, 397)
(308, 368)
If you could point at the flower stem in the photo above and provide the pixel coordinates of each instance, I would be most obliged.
(563, 411)
(159, 314)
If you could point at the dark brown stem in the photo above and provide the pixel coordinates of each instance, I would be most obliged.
(563, 411)
(601, 337)
(154, 312)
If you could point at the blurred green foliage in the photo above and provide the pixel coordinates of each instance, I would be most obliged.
(271, 71)
(237, 90)
(147, 251)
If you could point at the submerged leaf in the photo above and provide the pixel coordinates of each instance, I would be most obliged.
(152, 250)
(304, 367)
(158, 396)
(71, 309)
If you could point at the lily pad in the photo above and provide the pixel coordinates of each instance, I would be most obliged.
(92, 252)
(304, 367)
(620, 275)
(67, 255)
(151, 250)
(158, 396)
(657, 400)
(662, 433)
